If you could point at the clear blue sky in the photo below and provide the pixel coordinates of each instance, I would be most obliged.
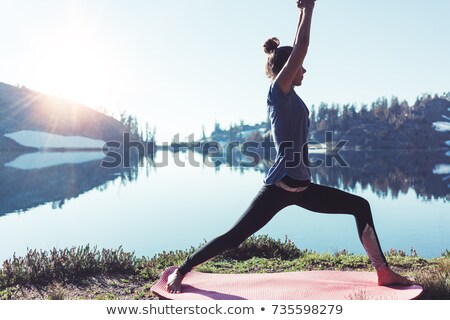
(182, 64)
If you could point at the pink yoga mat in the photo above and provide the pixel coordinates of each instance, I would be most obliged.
(303, 285)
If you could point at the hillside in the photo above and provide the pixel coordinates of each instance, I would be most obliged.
(383, 125)
(22, 109)
(387, 126)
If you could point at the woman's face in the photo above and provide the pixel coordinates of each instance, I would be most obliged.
(299, 77)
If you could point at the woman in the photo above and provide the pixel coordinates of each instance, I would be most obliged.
(288, 181)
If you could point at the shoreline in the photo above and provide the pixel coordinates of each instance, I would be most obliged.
(90, 274)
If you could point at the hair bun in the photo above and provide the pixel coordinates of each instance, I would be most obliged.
(271, 45)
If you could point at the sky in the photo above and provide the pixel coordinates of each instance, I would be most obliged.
(186, 64)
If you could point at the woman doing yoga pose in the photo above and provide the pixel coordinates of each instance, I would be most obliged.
(288, 181)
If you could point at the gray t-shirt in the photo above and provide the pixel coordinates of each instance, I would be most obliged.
(289, 119)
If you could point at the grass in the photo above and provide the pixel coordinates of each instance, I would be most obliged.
(115, 274)
(435, 279)
(40, 267)
(56, 292)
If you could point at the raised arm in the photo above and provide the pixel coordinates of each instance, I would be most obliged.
(301, 42)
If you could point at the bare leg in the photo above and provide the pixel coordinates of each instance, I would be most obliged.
(388, 277)
(174, 282)
(324, 199)
(268, 202)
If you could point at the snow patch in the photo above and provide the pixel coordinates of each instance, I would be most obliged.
(247, 133)
(317, 151)
(442, 169)
(441, 126)
(38, 139)
(39, 160)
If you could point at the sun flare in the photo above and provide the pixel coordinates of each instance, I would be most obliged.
(73, 63)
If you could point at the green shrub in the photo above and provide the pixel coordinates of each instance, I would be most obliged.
(435, 280)
(263, 246)
(39, 267)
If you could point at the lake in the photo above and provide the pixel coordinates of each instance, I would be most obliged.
(67, 199)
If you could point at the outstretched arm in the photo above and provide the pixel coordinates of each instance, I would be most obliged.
(300, 48)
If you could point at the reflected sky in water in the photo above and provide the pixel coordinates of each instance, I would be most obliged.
(148, 210)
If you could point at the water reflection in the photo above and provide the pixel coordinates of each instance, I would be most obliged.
(33, 179)
(383, 171)
(30, 180)
(425, 172)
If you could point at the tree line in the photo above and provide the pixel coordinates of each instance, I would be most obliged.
(393, 113)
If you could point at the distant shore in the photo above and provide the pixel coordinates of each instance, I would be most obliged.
(88, 273)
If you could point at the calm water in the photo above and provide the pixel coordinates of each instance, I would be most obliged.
(45, 203)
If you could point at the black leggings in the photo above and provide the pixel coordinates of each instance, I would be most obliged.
(270, 200)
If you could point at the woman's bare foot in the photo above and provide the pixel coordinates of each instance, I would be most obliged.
(174, 282)
(388, 277)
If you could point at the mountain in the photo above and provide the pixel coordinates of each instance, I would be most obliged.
(24, 112)
(396, 126)
(385, 125)
(34, 187)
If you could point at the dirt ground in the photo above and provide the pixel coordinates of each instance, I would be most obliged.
(91, 288)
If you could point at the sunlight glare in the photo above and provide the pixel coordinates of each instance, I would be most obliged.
(74, 64)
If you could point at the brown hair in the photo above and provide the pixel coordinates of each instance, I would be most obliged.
(277, 56)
